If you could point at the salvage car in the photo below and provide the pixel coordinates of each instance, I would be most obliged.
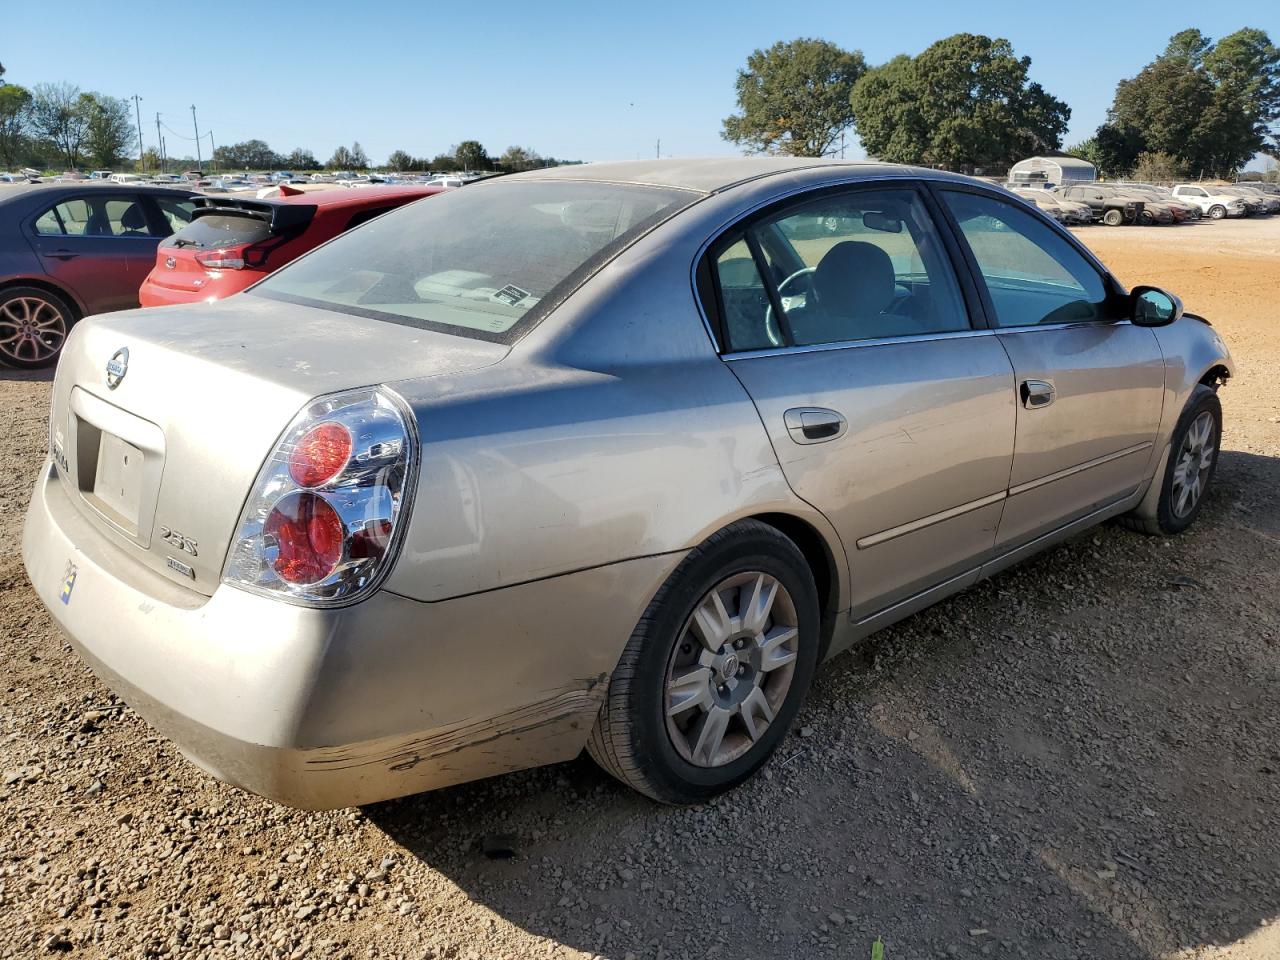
(1215, 203)
(231, 243)
(1059, 208)
(1108, 206)
(70, 250)
(599, 456)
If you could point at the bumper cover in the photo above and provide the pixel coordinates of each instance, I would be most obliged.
(320, 709)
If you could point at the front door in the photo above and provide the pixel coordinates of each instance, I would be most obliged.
(1090, 386)
(845, 322)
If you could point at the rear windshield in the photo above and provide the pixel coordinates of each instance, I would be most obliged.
(484, 261)
(216, 231)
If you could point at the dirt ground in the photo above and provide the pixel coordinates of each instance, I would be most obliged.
(1078, 759)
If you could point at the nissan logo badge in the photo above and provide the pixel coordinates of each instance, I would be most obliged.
(117, 367)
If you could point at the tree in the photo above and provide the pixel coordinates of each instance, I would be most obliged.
(247, 155)
(1211, 106)
(515, 159)
(151, 159)
(400, 161)
(300, 159)
(794, 98)
(963, 103)
(15, 114)
(444, 163)
(359, 159)
(109, 129)
(1159, 168)
(471, 155)
(57, 113)
(341, 160)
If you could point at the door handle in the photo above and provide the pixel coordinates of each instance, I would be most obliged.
(814, 424)
(62, 255)
(1036, 393)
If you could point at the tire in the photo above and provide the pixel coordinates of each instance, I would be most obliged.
(1148, 218)
(1113, 218)
(1217, 212)
(664, 754)
(34, 323)
(1173, 512)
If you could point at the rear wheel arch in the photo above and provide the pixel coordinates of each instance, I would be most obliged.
(42, 283)
(820, 555)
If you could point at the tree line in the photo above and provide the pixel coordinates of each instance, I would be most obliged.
(61, 123)
(967, 103)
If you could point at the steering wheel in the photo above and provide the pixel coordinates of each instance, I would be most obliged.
(771, 328)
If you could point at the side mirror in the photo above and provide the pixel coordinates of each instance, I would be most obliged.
(1153, 307)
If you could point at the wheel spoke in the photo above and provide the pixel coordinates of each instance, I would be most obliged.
(711, 733)
(754, 608)
(773, 653)
(756, 714)
(711, 622)
(7, 310)
(689, 690)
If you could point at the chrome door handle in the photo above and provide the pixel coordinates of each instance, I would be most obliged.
(1036, 393)
(814, 424)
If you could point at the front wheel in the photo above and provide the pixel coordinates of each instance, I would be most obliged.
(715, 671)
(1217, 212)
(1193, 458)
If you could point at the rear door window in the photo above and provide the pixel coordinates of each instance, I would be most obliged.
(176, 212)
(98, 216)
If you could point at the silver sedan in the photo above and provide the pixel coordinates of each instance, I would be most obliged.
(607, 457)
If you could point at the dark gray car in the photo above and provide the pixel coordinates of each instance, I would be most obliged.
(71, 250)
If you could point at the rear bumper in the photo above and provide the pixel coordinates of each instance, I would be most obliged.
(321, 709)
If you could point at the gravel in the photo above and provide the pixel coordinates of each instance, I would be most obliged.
(1078, 759)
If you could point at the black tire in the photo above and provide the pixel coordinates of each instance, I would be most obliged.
(30, 348)
(1217, 212)
(1113, 218)
(631, 739)
(1168, 521)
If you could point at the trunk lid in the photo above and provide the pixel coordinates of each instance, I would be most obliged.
(162, 462)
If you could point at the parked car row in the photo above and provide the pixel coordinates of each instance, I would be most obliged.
(1120, 202)
(71, 250)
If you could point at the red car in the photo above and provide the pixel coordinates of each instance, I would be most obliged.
(233, 242)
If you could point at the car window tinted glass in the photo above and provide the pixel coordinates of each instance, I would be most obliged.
(744, 300)
(863, 265)
(96, 217)
(176, 212)
(215, 231)
(477, 261)
(1033, 274)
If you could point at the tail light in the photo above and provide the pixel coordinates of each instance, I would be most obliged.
(229, 258)
(324, 519)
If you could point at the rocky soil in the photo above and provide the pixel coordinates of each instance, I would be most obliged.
(1079, 759)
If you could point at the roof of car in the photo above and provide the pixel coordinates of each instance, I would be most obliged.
(708, 174)
(56, 190)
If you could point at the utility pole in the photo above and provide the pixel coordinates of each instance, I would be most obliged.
(160, 140)
(212, 151)
(137, 112)
(199, 162)
(841, 144)
(164, 157)
(658, 151)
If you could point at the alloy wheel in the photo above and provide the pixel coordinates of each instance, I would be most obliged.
(731, 669)
(31, 329)
(1195, 460)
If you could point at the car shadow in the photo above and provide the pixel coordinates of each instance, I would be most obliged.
(1076, 759)
(42, 374)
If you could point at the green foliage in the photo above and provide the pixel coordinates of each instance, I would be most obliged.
(1211, 106)
(471, 155)
(57, 114)
(300, 159)
(110, 136)
(1159, 168)
(964, 103)
(359, 159)
(247, 155)
(515, 159)
(399, 161)
(15, 116)
(793, 98)
(877, 949)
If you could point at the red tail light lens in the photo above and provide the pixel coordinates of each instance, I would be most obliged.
(229, 258)
(308, 535)
(320, 455)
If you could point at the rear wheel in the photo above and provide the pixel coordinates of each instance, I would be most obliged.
(1113, 218)
(1193, 458)
(715, 671)
(34, 324)
(1217, 211)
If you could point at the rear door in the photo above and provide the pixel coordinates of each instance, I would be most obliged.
(844, 319)
(98, 244)
(1090, 385)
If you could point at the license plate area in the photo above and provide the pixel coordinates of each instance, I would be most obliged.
(119, 459)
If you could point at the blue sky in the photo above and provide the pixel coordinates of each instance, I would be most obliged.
(593, 81)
